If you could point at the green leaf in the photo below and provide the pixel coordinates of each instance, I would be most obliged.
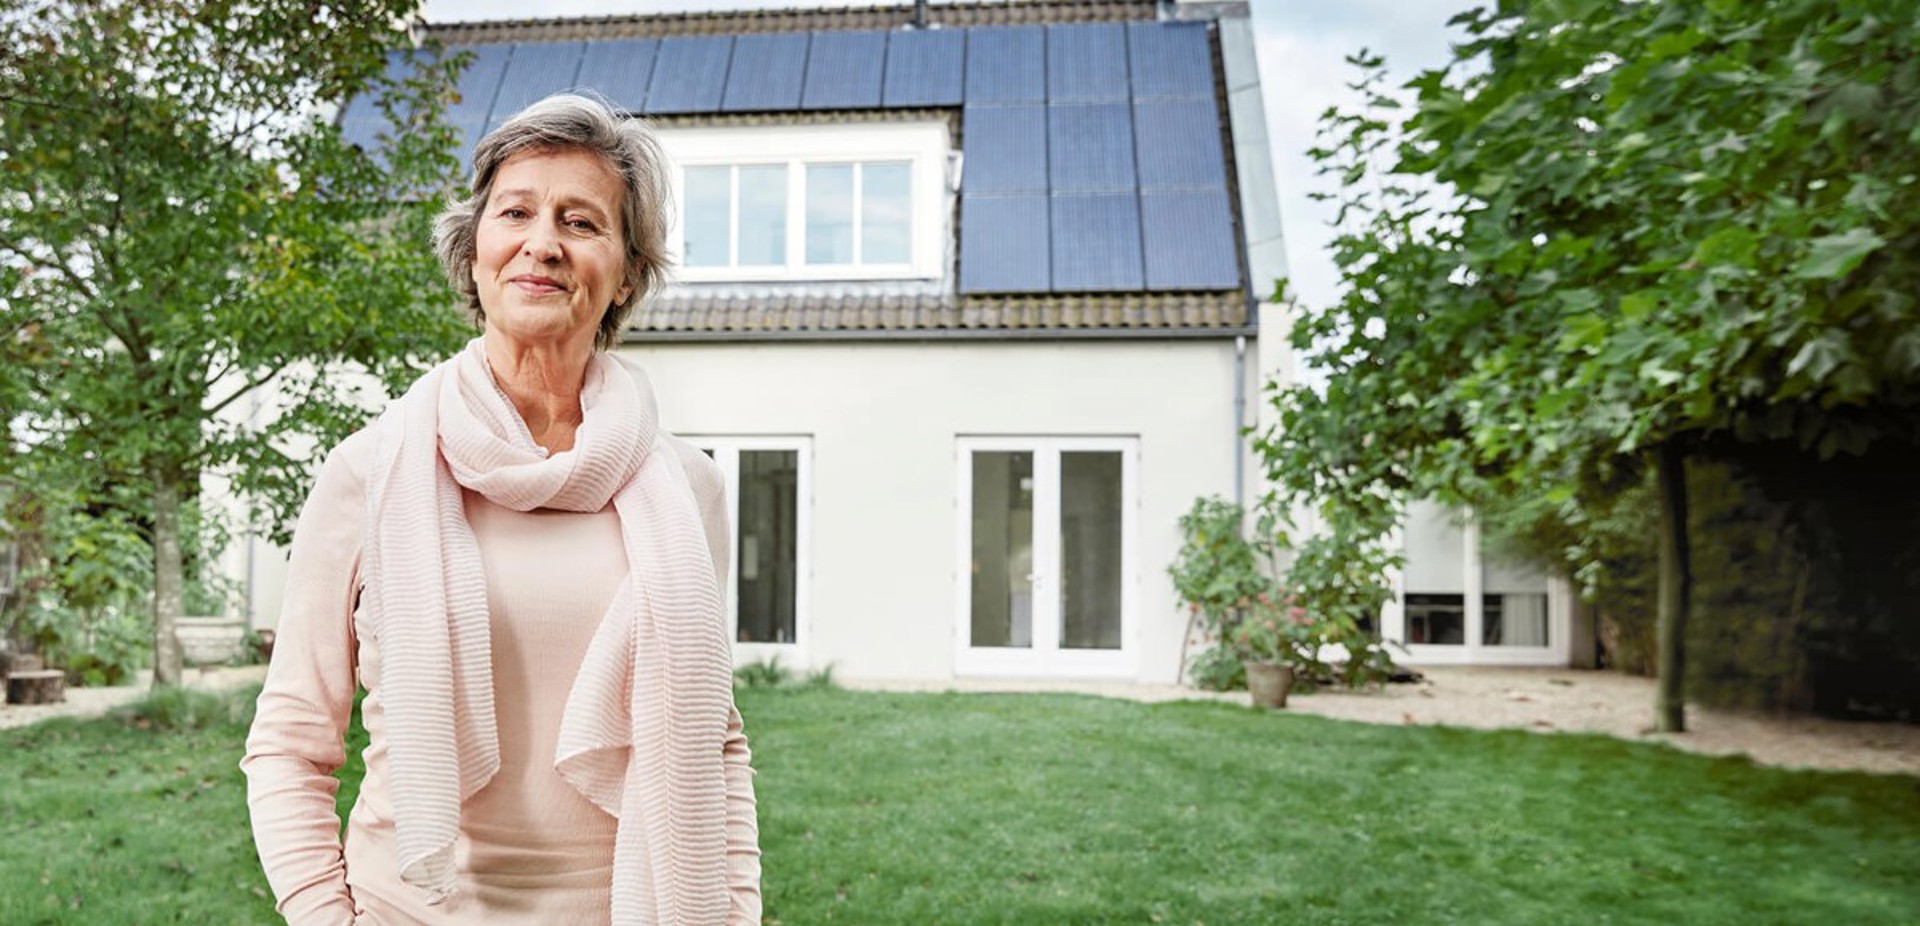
(1834, 256)
(1582, 333)
(1820, 357)
(1732, 247)
(1638, 305)
(1654, 372)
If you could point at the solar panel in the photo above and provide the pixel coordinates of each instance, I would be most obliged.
(925, 67)
(844, 70)
(1006, 148)
(1170, 60)
(619, 70)
(1090, 148)
(1003, 244)
(361, 121)
(479, 83)
(1086, 63)
(1189, 240)
(537, 70)
(1007, 65)
(689, 74)
(1096, 241)
(1179, 144)
(766, 72)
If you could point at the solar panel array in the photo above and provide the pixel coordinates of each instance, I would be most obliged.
(1093, 152)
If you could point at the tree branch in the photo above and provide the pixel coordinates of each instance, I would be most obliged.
(251, 385)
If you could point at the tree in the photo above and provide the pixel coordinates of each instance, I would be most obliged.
(1612, 236)
(183, 229)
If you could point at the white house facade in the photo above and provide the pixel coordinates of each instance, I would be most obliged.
(970, 310)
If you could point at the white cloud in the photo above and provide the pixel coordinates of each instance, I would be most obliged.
(1302, 49)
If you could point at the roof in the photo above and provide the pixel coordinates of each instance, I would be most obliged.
(1097, 191)
(867, 314)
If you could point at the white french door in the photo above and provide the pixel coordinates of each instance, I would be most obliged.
(1045, 556)
(769, 505)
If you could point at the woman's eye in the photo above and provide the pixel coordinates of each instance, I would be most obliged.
(513, 212)
(581, 224)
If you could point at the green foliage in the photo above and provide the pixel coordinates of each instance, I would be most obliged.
(175, 710)
(1607, 228)
(771, 674)
(767, 674)
(186, 232)
(1217, 668)
(1233, 583)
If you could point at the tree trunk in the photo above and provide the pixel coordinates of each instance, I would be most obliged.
(1676, 591)
(168, 582)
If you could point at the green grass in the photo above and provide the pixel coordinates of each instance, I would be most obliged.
(1027, 809)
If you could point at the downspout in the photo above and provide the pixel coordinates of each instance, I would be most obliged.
(1239, 420)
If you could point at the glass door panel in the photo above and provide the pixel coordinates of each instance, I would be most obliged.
(768, 551)
(1090, 562)
(1002, 579)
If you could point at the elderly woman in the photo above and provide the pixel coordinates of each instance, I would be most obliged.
(524, 573)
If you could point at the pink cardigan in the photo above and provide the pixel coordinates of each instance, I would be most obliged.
(532, 849)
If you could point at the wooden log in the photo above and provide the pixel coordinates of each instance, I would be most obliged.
(46, 686)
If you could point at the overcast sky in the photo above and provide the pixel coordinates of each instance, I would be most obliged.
(1302, 47)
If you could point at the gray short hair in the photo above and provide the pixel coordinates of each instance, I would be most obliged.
(568, 121)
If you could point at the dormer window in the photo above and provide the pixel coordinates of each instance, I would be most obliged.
(829, 202)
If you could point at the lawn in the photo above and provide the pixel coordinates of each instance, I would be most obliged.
(1031, 809)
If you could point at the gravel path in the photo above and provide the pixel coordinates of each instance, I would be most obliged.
(1552, 700)
(1540, 700)
(92, 702)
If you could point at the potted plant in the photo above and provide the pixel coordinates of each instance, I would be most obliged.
(1278, 642)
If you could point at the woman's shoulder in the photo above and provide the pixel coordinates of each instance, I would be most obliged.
(702, 472)
(343, 476)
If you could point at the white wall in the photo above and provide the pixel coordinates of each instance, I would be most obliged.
(884, 418)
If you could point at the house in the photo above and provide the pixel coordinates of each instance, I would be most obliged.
(969, 309)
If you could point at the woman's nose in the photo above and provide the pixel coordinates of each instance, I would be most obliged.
(543, 242)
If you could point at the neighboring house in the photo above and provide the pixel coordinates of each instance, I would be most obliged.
(969, 309)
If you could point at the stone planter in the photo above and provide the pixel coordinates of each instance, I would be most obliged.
(209, 641)
(1268, 684)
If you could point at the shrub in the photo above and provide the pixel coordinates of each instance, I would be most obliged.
(177, 709)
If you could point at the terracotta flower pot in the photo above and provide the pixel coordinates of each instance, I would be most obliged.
(1268, 683)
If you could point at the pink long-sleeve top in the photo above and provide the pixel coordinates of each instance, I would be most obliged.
(531, 849)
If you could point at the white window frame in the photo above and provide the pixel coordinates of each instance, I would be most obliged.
(726, 451)
(1557, 651)
(924, 145)
(1047, 661)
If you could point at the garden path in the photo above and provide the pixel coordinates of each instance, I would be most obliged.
(1547, 701)
(92, 702)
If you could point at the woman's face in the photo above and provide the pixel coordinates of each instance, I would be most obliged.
(549, 252)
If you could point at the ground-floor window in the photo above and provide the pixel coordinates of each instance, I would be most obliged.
(768, 490)
(1046, 554)
(1460, 591)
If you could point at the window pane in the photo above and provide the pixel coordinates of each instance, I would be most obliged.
(1090, 507)
(830, 213)
(1514, 619)
(706, 216)
(1438, 619)
(886, 208)
(763, 215)
(1003, 549)
(1515, 612)
(767, 560)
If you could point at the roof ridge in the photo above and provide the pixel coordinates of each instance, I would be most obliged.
(736, 22)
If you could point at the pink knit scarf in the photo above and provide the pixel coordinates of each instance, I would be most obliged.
(647, 714)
